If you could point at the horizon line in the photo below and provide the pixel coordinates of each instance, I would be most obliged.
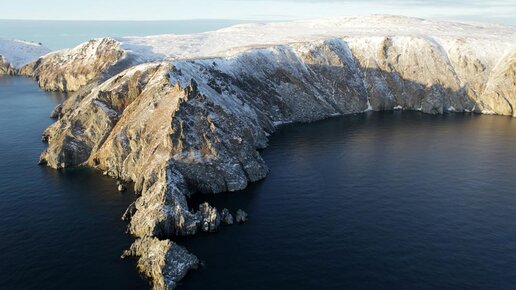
(250, 20)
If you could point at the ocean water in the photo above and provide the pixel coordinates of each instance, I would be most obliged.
(391, 200)
(58, 229)
(65, 34)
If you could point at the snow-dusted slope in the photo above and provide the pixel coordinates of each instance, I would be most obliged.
(17, 53)
(487, 41)
(191, 120)
(229, 41)
(71, 69)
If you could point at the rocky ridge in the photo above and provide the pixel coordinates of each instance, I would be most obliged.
(179, 121)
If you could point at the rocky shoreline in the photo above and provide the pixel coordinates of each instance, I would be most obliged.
(177, 125)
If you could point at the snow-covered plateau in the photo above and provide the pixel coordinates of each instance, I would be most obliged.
(16, 53)
(184, 114)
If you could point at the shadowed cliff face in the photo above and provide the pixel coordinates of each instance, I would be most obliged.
(175, 128)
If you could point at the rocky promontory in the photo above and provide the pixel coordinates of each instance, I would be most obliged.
(185, 114)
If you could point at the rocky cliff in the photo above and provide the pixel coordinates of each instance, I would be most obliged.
(5, 67)
(179, 115)
(68, 70)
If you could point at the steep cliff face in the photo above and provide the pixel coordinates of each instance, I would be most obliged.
(69, 70)
(181, 126)
(16, 53)
(153, 261)
(501, 86)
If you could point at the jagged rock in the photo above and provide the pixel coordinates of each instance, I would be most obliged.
(163, 262)
(70, 69)
(162, 209)
(241, 216)
(226, 217)
(210, 218)
(56, 113)
(5, 67)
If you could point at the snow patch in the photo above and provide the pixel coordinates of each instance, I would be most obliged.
(488, 112)
(236, 39)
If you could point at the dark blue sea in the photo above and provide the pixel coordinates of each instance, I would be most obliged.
(391, 200)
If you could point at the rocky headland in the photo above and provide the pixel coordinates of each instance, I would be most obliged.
(184, 114)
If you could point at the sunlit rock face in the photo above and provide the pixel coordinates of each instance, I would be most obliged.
(69, 70)
(178, 115)
(154, 256)
(5, 67)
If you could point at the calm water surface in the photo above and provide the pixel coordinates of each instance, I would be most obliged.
(58, 229)
(373, 201)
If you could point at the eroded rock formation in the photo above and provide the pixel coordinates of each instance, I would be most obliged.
(69, 70)
(154, 256)
(5, 67)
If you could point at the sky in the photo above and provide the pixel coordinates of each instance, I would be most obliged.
(500, 11)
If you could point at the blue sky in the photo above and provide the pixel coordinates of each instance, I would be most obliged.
(502, 11)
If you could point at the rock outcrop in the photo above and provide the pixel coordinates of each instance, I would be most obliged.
(5, 67)
(192, 120)
(226, 217)
(71, 69)
(154, 256)
(241, 216)
(56, 112)
(210, 218)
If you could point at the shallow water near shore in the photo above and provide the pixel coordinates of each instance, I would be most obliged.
(390, 200)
